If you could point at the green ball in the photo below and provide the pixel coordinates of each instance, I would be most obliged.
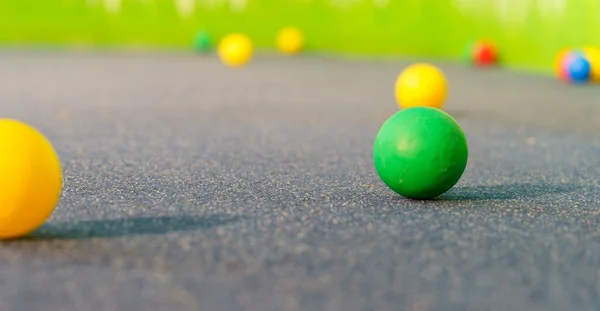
(202, 42)
(420, 152)
(467, 54)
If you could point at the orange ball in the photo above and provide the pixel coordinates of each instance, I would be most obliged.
(558, 67)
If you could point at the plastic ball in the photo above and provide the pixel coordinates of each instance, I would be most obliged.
(559, 69)
(420, 152)
(593, 56)
(485, 54)
(481, 53)
(421, 85)
(289, 40)
(202, 42)
(30, 179)
(467, 54)
(577, 67)
(235, 50)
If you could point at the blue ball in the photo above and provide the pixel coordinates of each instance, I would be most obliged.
(579, 69)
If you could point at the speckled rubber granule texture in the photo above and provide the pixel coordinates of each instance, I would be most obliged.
(190, 186)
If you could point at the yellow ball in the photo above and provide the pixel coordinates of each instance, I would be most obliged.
(235, 50)
(593, 56)
(289, 40)
(421, 85)
(30, 179)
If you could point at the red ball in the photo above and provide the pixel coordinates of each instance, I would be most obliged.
(485, 54)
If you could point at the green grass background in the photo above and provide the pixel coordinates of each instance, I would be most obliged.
(527, 32)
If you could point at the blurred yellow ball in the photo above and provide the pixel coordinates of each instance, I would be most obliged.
(421, 85)
(593, 56)
(30, 179)
(289, 40)
(235, 50)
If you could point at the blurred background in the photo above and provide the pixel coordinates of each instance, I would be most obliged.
(528, 33)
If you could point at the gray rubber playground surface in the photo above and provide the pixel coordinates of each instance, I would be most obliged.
(189, 186)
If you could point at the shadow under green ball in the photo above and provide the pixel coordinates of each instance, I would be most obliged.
(420, 152)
